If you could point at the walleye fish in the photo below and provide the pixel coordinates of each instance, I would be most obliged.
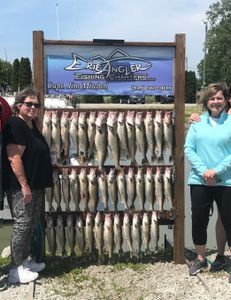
(57, 189)
(101, 138)
(51, 235)
(93, 190)
(140, 187)
(158, 124)
(155, 230)
(140, 136)
(169, 133)
(47, 126)
(108, 235)
(136, 232)
(79, 234)
(159, 191)
(112, 188)
(122, 133)
(60, 231)
(65, 134)
(70, 232)
(49, 198)
(56, 134)
(98, 234)
(130, 125)
(150, 188)
(103, 189)
(127, 232)
(73, 132)
(146, 231)
(168, 186)
(66, 188)
(131, 187)
(83, 184)
(113, 139)
(117, 230)
(89, 236)
(91, 131)
(121, 183)
(150, 134)
(82, 137)
(75, 188)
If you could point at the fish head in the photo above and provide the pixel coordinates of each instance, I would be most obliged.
(140, 174)
(70, 220)
(101, 119)
(130, 118)
(149, 117)
(112, 119)
(149, 173)
(168, 118)
(139, 119)
(159, 118)
(131, 173)
(145, 218)
(79, 222)
(121, 117)
(154, 216)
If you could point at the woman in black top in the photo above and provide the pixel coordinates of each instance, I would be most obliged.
(26, 172)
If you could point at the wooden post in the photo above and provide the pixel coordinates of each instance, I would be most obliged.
(38, 69)
(38, 82)
(178, 253)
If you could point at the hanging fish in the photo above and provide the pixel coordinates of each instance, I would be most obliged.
(150, 188)
(108, 235)
(101, 138)
(168, 180)
(82, 138)
(75, 188)
(83, 184)
(49, 198)
(91, 131)
(89, 235)
(93, 190)
(103, 189)
(117, 230)
(98, 235)
(122, 133)
(155, 230)
(150, 134)
(70, 233)
(113, 139)
(121, 183)
(146, 231)
(127, 232)
(140, 136)
(131, 187)
(47, 126)
(66, 188)
(140, 187)
(136, 233)
(60, 231)
(112, 188)
(169, 133)
(73, 132)
(130, 125)
(159, 188)
(51, 235)
(79, 234)
(65, 135)
(158, 124)
(57, 189)
(56, 134)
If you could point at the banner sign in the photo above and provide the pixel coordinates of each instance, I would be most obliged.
(118, 71)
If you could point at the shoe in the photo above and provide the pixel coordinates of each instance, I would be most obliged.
(197, 266)
(21, 275)
(32, 266)
(218, 264)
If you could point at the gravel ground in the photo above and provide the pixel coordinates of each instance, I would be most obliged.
(155, 280)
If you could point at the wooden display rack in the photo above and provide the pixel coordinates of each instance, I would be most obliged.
(179, 94)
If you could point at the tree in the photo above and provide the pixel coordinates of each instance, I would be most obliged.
(5, 74)
(218, 45)
(25, 73)
(190, 87)
(15, 76)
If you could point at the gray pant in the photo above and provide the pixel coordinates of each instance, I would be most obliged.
(26, 217)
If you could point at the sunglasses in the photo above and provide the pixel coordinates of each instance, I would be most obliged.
(30, 104)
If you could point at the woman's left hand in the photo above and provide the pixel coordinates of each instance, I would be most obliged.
(210, 177)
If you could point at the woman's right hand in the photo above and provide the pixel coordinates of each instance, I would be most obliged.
(26, 192)
(194, 118)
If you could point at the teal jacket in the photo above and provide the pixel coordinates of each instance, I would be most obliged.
(208, 147)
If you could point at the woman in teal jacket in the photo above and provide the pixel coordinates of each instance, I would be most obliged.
(207, 148)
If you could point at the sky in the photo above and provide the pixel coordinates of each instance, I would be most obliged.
(130, 20)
